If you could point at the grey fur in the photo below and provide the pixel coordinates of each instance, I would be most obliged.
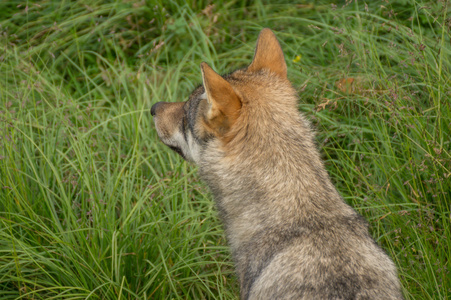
(291, 234)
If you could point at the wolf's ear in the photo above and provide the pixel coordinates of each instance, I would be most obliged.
(224, 104)
(269, 54)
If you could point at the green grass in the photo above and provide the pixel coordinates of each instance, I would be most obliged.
(93, 206)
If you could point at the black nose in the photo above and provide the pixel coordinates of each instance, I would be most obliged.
(153, 109)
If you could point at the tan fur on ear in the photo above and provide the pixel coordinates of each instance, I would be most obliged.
(269, 54)
(224, 102)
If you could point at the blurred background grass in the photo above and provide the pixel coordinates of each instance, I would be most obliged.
(92, 206)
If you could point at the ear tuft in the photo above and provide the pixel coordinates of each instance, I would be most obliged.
(269, 54)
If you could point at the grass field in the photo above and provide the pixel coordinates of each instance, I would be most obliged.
(93, 206)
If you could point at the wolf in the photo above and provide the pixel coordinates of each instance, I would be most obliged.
(291, 234)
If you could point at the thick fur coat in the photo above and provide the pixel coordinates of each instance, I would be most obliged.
(291, 234)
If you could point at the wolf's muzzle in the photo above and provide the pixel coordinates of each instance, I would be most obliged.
(153, 109)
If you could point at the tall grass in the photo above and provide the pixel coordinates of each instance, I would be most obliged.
(92, 206)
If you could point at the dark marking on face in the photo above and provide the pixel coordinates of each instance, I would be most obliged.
(178, 151)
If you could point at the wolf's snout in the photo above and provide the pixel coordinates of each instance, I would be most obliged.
(153, 109)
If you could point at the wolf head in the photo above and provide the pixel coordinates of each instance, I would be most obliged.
(221, 109)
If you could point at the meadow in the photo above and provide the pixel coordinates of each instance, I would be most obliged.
(93, 206)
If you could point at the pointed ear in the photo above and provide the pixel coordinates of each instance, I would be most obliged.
(224, 103)
(269, 54)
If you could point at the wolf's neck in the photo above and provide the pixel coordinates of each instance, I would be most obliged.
(263, 194)
(271, 179)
